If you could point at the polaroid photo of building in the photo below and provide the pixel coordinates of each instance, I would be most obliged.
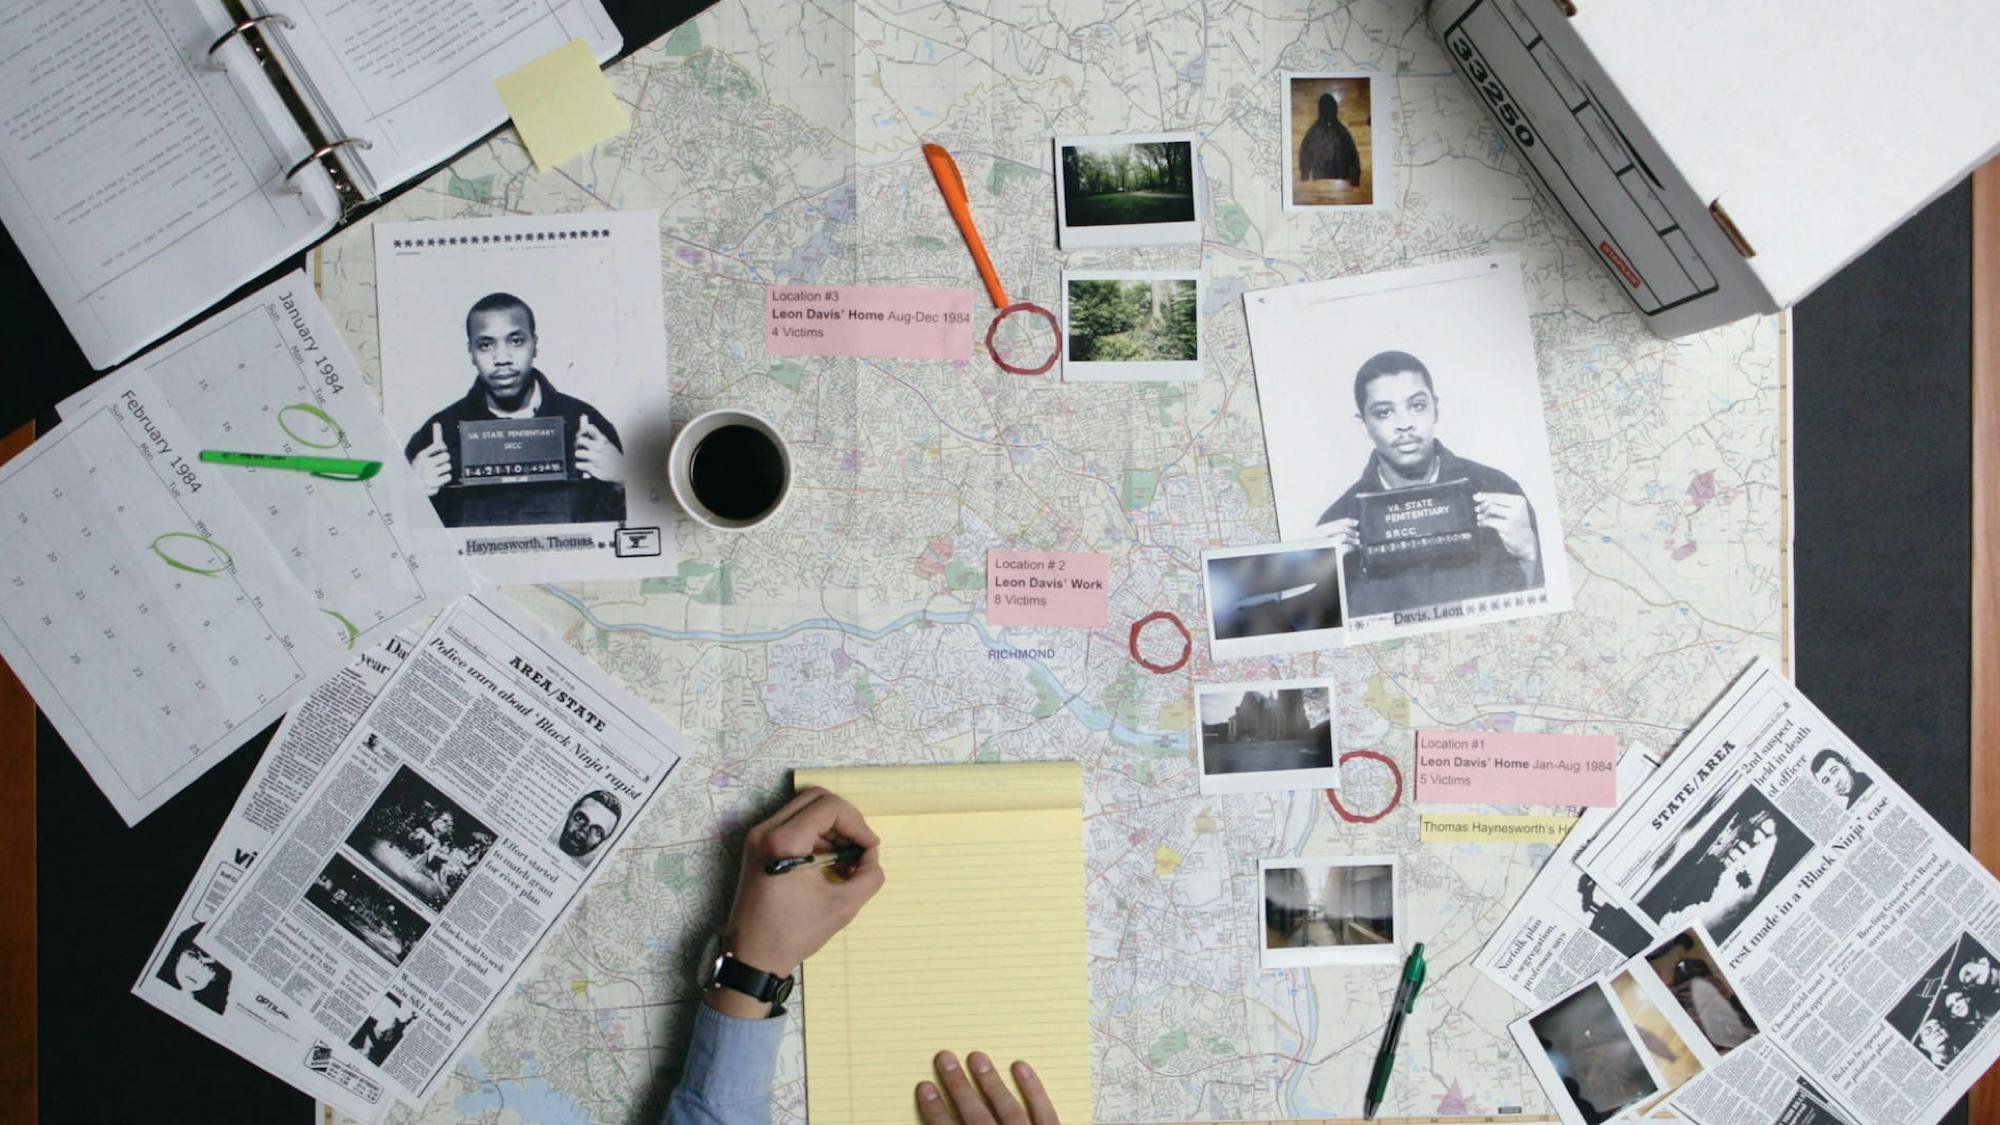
(1272, 599)
(1273, 735)
(1403, 418)
(1316, 913)
(1140, 189)
(524, 366)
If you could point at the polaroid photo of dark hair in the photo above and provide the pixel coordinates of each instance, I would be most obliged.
(194, 971)
(1317, 913)
(1131, 326)
(379, 1034)
(1141, 189)
(1340, 142)
(421, 838)
(1687, 967)
(1403, 417)
(1591, 1062)
(591, 821)
(1675, 1051)
(1273, 735)
(1272, 599)
(1745, 851)
(1951, 1005)
(389, 927)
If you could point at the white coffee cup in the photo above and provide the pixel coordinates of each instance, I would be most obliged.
(680, 469)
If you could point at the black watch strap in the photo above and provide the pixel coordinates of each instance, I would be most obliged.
(752, 982)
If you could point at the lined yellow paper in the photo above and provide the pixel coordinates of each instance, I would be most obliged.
(561, 104)
(975, 943)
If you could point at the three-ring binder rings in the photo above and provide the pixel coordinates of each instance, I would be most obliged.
(155, 157)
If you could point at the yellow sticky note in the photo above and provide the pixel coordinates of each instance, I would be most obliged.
(1446, 828)
(561, 104)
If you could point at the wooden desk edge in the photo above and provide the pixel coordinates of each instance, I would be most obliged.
(1985, 622)
(18, 1062)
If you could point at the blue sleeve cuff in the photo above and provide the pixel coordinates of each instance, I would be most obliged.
(731, 1063)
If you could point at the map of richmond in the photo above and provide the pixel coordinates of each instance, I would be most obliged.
(780, 142)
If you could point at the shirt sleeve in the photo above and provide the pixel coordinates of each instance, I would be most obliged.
(730, 1066)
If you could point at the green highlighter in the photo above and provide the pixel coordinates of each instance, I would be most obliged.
(1406, 1003)
(327, 468)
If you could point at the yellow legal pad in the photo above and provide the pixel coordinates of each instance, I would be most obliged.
(975, 943)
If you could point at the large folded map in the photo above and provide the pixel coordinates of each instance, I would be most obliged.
(781, 144)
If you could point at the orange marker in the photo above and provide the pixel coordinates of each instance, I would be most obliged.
(953, 186)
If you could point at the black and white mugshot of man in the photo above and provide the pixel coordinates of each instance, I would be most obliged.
(1398, 404)
(1328, 151)
(191, 969)
(1831, 769)
(590, 822)
(587, 487)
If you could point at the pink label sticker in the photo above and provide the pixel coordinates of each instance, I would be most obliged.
(1045, 588)
(1482, 767)
(897, 322)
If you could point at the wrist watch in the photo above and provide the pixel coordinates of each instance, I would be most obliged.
(725, 971)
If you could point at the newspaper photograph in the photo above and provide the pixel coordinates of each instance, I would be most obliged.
(1856, 929)
(1562, 930)
(456, 826)
(215, 993)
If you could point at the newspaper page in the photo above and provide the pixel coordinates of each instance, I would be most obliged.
(1859, 934)
(216, 994)
(1562, 931)
(453, 830)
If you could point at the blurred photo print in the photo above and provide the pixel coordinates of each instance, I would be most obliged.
(1338, 126)
(1141, 189)
(1329, 912)
(1591, 1062)
(1403, 420)
(1272, 599)
(1126, 327)
(1258, 737)
(1688, 967)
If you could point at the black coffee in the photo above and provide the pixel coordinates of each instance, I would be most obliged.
(737, 473)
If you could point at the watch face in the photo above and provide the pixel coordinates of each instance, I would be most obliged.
(783, 991)
(711, 959)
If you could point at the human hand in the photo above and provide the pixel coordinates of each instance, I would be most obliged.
(990, 1103)
(1346, 534)
(777, 921)
(433, 462)
(596, 457)
(1507, 514)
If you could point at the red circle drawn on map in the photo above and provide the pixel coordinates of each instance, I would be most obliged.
(1025, 307)
(1395, 798)
(1187, 650)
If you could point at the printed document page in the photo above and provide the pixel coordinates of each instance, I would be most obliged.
(450, 834)
(414, 78)
(270, 374)
(144, 609)
(191, 979)
(975, 943)
(140, 180)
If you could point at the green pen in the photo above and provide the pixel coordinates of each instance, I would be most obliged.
(1406, 1003)
(329, 468)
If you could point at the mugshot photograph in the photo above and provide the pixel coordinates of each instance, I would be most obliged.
(1397, 401)
(590, 821)
(515, 449)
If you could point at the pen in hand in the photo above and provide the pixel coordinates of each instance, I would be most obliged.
(844, 856)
